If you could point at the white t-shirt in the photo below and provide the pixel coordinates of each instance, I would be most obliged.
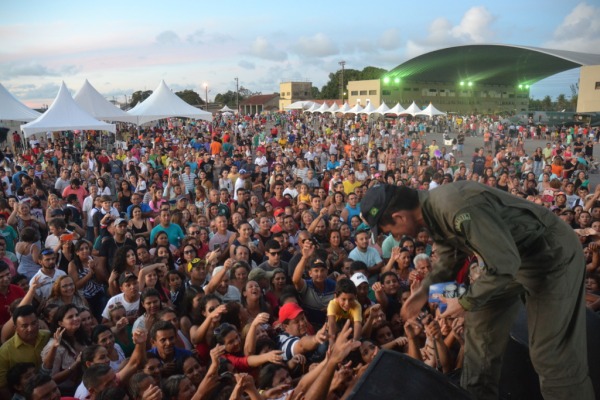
(45, 283)
(131, 309)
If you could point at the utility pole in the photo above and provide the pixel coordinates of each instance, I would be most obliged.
(342, 63)
(206, 94)
(237, 94)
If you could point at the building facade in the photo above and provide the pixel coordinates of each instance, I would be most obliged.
(290, 92)
(588, 99)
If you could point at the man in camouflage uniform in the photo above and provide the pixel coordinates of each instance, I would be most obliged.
(527, 251)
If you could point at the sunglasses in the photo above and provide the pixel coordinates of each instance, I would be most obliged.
(275, 253)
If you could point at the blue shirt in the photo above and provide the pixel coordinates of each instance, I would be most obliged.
(145, 209)
(180, 354)
(174, 232)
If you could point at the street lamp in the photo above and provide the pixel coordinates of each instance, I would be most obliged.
(237, 94)
(206, 94)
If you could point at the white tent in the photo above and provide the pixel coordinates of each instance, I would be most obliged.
(354, 110)
(344, 108)
(165, 104)
(94, 103)
(397, 109)
(314, 107)
(413, 109)
(324, 107)
(65, 115)
(369, 109)
(12, 109)
(226, 109)
(430, 111)
(382, 109)
(333, 109)
(299, 105)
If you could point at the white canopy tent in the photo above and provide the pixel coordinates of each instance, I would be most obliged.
(413, 109)
(314, 107)
(430, 111)
(299, 105)
(324, 107)
(163, 103)
(334, 108)
(344, 108)
(94, 103)
(397, 109)
(11, 109)
(354, 110)
(65, 115)
(369, 109)
(382, 109)
(226, 109)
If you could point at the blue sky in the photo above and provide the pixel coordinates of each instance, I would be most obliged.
(122, 46)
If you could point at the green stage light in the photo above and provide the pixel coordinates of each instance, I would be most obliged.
(520, 86)
(526, 86)
(396, 80)
(462, 83)
(386, 80)
(470, 83)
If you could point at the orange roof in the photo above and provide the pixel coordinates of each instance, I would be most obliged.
(259, 99)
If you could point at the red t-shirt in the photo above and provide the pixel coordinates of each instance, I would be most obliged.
(14, 292)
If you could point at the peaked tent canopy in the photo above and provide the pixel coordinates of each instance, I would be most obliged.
(299, 105)
(430, 111)
(226, 109)
(334, 108)
(11, 109)
(65, 115)
(397, 109)
(413, 109)
(324, 107)
(165, 104)
(382, 109)
(94, 103)
(312, 108)
(369, 109)
(344, 108)
(354, 110)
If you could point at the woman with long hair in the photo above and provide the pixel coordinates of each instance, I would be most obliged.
(61, 356)
(124, 194)
(82, 269)
(28, 252)
(103, 188)
(162, 239)
(150, 306)
(139, 226)
(103, 336)
(277, 285)
(245, 237)
(338, 204)
(63, 292)
(335, 251)
(53, 205)
(22, 218)
(254, 301)
(65, 255)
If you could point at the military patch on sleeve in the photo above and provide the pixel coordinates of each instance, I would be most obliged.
(460, 219)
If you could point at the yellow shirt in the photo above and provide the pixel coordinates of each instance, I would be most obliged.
(14, 351)
(349, 187)
(304, 198)
(354, 314)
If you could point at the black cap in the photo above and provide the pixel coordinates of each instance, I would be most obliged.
(126, 276)
(373, 205)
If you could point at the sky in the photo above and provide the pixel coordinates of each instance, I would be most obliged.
(125, 46)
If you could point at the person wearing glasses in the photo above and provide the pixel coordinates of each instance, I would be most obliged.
(273, 251)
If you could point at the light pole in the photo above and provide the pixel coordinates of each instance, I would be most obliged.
(206, 94)
(237, 94)
(342, 63)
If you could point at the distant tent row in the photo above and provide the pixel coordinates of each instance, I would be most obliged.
(88, 110)
(383, 109)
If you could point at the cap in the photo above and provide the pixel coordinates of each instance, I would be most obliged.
(194, 263)
(567, 211)
(318, 263)
(182, 197)
(120, 221)
(258, 273)
(560, 194)
(359, 278)
(289, 311)
(375, 201)
(278, 212)
(126, 276)
(243, 171)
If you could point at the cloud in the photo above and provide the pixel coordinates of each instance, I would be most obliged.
(12, 70)
(220, 38)
(318, 45)
(197, 37)
(579, 31)
(246, 64)
(261, 48)
(33, 92)
(390, 39)
(167, 37)
(476, 26)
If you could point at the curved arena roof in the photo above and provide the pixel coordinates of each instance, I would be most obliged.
(490, 64)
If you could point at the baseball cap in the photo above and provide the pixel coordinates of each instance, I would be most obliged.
(120, 221)
(289, 311)
(359, 278)
(182, 197)
(126, 276)
(318, 263)
(278, 212)
(560, 194)
(258, 273)
(243, 171)
(375, 201)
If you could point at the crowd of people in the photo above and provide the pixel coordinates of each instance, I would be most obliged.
(228, 259)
